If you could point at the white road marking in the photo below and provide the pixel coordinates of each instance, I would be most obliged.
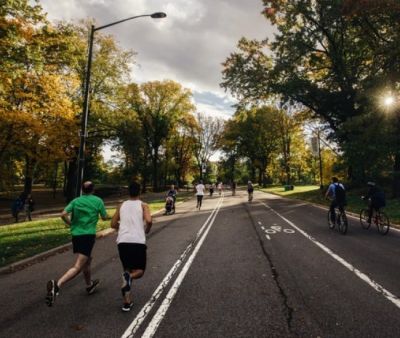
(379, 288)
(162, 310)
(289, 231)
(270, 231)
(263, 228)
(259, 223)
(269, 238)
(141, 316)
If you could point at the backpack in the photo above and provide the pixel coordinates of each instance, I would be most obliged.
(340, 194)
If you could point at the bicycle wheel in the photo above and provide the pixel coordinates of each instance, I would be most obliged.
(343, 223)
(383, 223)
(330, 223)
(364, 219)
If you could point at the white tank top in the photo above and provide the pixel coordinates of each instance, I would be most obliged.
(131, 225)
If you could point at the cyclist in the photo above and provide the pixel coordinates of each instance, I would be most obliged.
(250, 190)
(172, 193)
(376, 199)
(337, 193)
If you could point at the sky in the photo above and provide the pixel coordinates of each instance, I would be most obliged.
(188, 46)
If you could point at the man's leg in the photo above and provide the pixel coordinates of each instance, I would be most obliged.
(80, 263)
(332, 211)
(87, 272)
(370, 212)
(134, 274)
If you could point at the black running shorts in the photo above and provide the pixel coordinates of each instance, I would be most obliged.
(132, 256)
(83, 244)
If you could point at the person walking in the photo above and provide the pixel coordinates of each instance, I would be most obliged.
(82, 215)
(200, 193)
(133, 221)
(250, 190)
(29, 206)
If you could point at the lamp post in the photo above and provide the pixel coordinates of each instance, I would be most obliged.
(85, 112)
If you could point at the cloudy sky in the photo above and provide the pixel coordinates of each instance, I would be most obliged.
(188, 46)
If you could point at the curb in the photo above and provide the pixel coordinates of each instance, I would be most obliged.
(20, 265)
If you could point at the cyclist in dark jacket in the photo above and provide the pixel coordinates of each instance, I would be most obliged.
(376, 198)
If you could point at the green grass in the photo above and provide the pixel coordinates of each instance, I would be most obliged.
(26, 239)
(312, 193)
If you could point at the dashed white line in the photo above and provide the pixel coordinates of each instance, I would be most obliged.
(376, 286)
(162, 310)
(269, 238)
(259, 223)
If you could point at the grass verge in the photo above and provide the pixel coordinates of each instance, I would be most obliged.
(313, 194)
(26, 239)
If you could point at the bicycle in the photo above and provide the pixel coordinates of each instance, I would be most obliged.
(340, 220)
(379, 218)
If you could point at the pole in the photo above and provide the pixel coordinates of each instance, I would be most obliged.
(85, 116)
(321, 185)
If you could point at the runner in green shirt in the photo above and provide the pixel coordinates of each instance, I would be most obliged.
(82, 215)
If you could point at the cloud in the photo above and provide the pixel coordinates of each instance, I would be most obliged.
(188, 46)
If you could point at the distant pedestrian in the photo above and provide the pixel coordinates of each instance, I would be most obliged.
(82, 215)
(29, 206)
(18, 206)
(200, 193)
(132, 220)
(220, 188)
(250, 190)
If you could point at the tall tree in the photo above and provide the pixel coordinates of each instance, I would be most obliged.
(159, 107)
(207, 134)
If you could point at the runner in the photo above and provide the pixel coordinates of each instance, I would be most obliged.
(220, 187)
(85, 212)
(199, 193)
(133, 221)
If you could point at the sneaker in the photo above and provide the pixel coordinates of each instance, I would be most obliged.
(52, 292)
(126, 283)
(90, 289)
(127, 307)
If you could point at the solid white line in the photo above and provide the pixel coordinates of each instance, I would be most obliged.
(141, 316)
(162, 310)
(379, 288)
(269, 238)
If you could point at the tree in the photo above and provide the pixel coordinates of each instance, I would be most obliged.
(207, 135)
(330, 61)
(159, 106)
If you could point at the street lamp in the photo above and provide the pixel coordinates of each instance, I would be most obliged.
(85, 112)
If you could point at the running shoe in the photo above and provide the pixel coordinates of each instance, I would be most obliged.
(52, 292)
(90, 289)
(127, 307)
(126, 283)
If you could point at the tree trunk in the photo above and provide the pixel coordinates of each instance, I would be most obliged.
(29, 171)
(55, 179)
(155, 170)
(70, 188)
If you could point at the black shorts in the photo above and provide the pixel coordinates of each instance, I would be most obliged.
(132, 256)
(83, 244)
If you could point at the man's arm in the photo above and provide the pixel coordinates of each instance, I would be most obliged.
(328, 192)
(65, 217)
(147, 217)
(115, 219)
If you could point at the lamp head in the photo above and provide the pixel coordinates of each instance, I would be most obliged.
(158, 15)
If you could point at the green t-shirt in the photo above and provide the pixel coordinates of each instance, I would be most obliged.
(85, 212)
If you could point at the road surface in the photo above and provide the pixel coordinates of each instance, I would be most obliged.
(270, 268)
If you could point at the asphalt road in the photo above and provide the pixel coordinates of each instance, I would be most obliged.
(270, 268)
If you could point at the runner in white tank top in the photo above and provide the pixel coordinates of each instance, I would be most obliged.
(133, 221)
